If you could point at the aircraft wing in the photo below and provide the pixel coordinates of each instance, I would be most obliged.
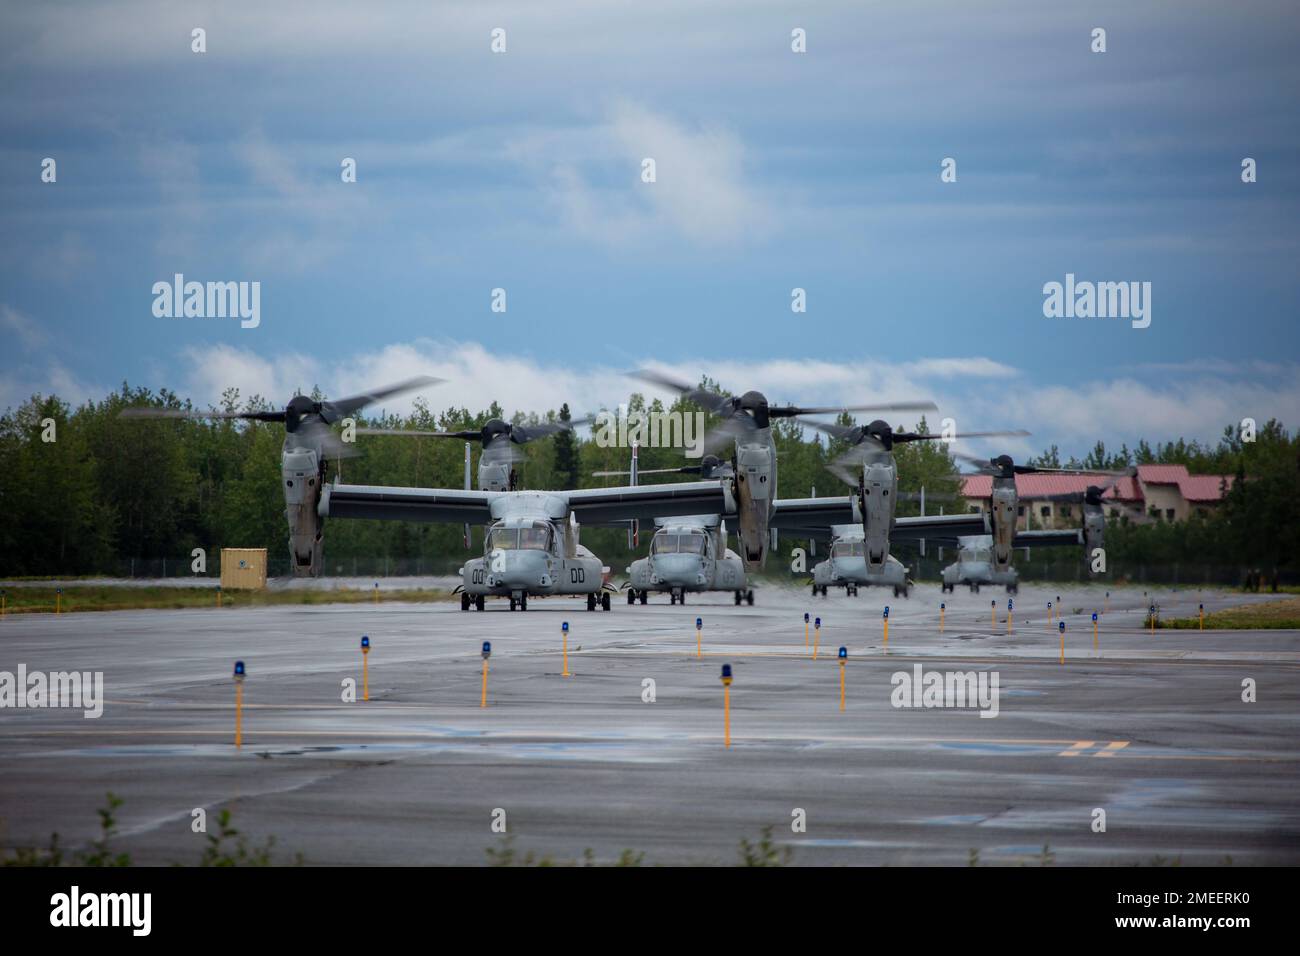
(812, 517)
(942, 529)
(1039, 539)
(450, 505)
(608, 506)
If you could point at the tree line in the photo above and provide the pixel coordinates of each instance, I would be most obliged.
(107, 491)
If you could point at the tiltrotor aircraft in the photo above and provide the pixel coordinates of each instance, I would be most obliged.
(873, 506)
(1004, 507)
(974, 567)
(847, 566)
(532, 545)
(687, 552)
(747, 421)
(309, 443)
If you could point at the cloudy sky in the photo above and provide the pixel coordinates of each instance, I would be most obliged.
(775, 170)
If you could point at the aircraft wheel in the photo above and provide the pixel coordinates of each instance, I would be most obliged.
(604, 601)
(512, 604)
(464, 601)
(631, 596)
(523, 603)
(749, 598)
(814, 590)
(644, 597)
(591, 602)
(479, 602)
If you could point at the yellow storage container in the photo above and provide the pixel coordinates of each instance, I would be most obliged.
(243, 568)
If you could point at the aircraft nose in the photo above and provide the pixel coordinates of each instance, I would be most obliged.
(677, 569)
(520, 569)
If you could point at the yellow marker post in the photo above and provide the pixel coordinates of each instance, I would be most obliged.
(942, 607)
(1107, 602)
(726, 705)
(1202, 617)
(844, 657)
(1094, 632)
(564, 637)
(365, 670)
(1049, 614)
(58, 600)
(376, 592)
(699, 648)
(805, 628)
(1062, 629)
(993, 613)
(817, 636)
(1011, 612)
(239, 704)
(886, 627)
(487, 652)
(1151, 617)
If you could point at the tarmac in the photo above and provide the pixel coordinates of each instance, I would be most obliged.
(1151, 729)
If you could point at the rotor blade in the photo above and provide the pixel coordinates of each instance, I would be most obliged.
(145, 411)
(705, 399)
(464, 435)
(789, 411)
(984, 464)
(526, 433)
(684, 470)
(331, 446)
(933, 436)
(842, 432)
(333, 411)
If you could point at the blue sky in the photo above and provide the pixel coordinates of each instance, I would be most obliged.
(775, 170)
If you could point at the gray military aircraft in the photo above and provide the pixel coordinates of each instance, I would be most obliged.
(747, 422)
(1003, 510)
(847, 566)
(974, 567)
(874, 506)
(532, 546)
(309, 443)
(687, 552)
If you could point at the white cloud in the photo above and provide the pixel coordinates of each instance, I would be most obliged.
(20, 326)
(1071, 416)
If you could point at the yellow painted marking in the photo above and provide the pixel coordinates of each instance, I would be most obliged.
(1111, 748)
(1078, 748)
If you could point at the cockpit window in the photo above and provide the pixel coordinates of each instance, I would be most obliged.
(848, 549)
(536, 538)
(694, 542)
(506, 539)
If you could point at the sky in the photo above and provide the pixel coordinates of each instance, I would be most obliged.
(775, 170)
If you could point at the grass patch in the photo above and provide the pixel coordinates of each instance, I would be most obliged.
(1273, 614)
(39, 600)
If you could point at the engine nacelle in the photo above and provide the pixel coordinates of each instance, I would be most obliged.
(300, 470)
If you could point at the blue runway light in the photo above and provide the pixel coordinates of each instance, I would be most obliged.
(819, 622)
(1061, 627)
(726, 673)
(805, 617)
(239, 670)
(886, 611)
(565, 627)
(1094, 616)
(365, 643)
(844, 653)
(942, 606)
(699, 623)
(487, 649)
(1010, 604)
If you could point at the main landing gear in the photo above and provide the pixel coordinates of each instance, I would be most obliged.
(746, 596)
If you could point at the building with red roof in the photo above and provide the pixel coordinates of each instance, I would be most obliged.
(1155, 493)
